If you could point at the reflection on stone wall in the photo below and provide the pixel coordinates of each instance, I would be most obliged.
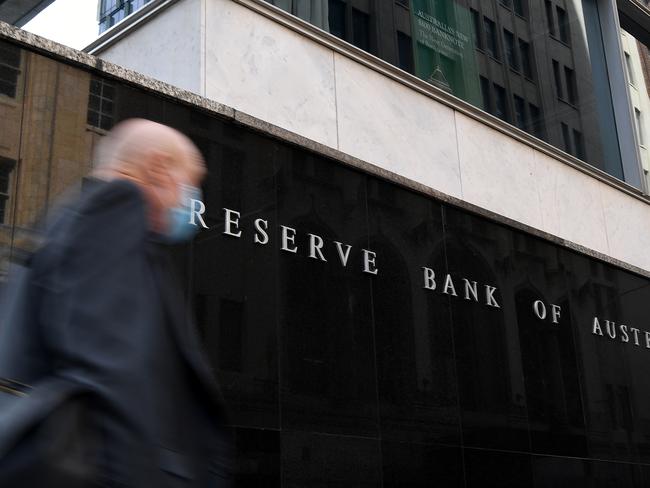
(45, 142)
(536, 64)
(333, 376)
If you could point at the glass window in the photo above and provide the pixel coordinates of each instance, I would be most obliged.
(563, 23)
(6, 168)
(579, 144)
(526, 61)
(511, 53)
(536, 121)
(520, 113)
(113, 11)
(485, 94)
(491, 38)
(571, 87)
(337, 18)
(630, 69)
(100, 104)
(520, 7)
(476, 24)
(467, 47)
(559, 91)
(638, 119)
(405, 52)
(9, 69)
(566, 135)
(550, 21)
(360, 29)
(500, 103)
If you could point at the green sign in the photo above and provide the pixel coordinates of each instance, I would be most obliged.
(443, 43)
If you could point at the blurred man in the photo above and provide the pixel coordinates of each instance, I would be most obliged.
(110, 321)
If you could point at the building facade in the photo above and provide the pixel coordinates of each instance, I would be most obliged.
(425, 255)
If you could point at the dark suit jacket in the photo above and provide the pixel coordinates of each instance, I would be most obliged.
(112, 321)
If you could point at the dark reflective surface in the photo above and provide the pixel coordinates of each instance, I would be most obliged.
(414, 465)
(415, 357)
(436, 371)
(548, 352)
(490, 377)
(310, 459)
(536, 64)
(489, 469)
(328, 381)
(614, 368)
(258, 458)
(234, 278)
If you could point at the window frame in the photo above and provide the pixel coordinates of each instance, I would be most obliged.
(100, 113)
(510, 47)
(7, 167)
(491, 38)
(18, 69)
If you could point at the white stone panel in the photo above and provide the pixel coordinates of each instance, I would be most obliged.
(259, 67)
(497, 172)
(385, 123)
(166, 47)
(570, 203)
(628, 227)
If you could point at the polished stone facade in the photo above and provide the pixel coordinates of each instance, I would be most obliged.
(338, 377)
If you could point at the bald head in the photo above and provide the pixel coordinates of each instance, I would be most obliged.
(130, 143)
(155, 157)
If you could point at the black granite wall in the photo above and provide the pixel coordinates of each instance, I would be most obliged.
(336, 377)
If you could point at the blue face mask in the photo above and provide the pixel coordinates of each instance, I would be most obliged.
(180, 227)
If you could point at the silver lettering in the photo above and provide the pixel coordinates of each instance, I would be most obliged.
(540, 309)
(261, 236)
(449, 285)
(596, 327)
(232, 222)
(636, 335)
(611, 329)
(489, 296)
(316, 247)
(369, 265)
(194, 213)
(288, 238)
(343, 255)
(555, 313)
(624, 336)
(471, 290)
(429, 279)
